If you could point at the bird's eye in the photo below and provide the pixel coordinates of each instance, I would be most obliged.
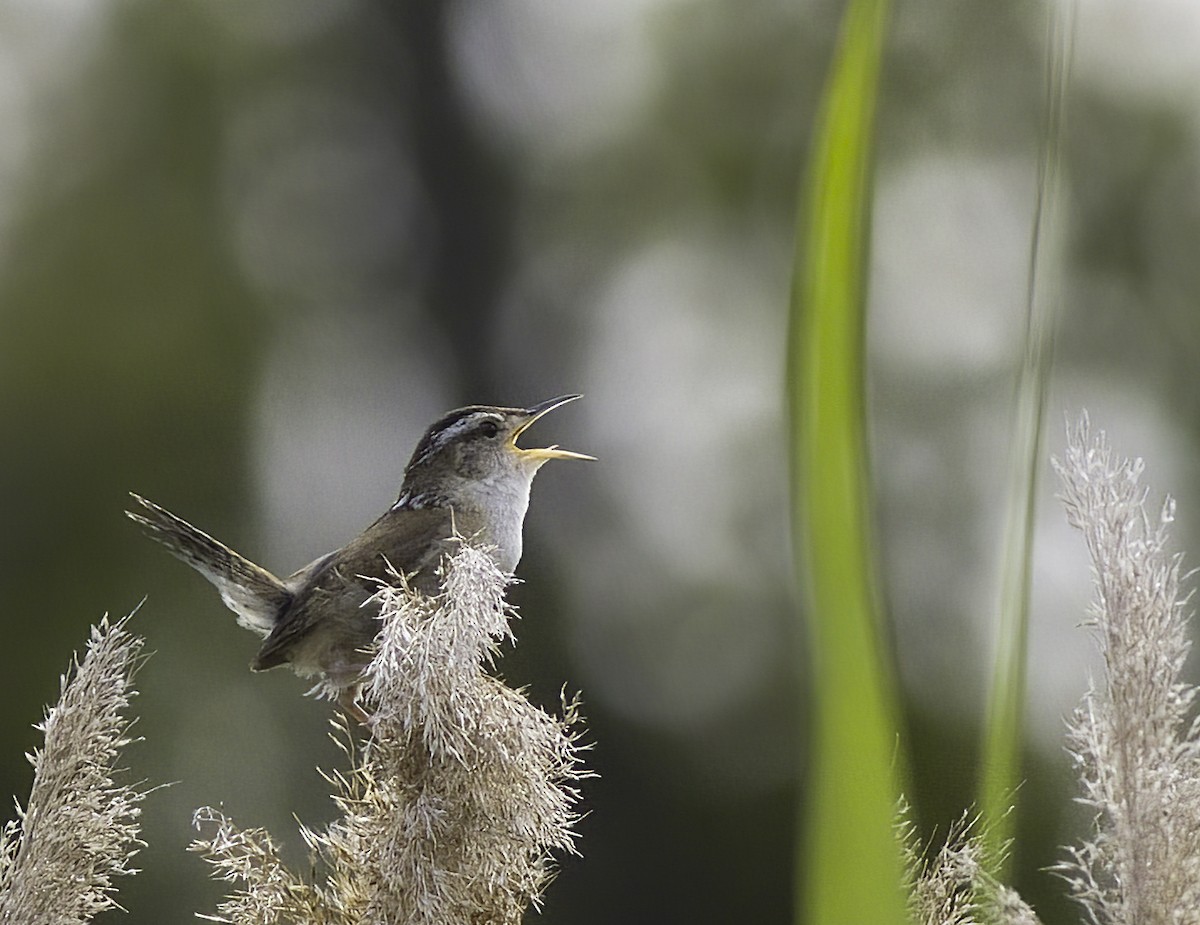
(489, 428)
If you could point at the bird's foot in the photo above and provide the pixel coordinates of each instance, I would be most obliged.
(348, 701)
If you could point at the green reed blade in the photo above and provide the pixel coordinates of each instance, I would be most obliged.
(851, 866)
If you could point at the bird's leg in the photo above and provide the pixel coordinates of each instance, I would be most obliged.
(348, 701)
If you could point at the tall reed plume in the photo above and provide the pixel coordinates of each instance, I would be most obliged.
(59, 858)
(1133, 738)
(453, 809)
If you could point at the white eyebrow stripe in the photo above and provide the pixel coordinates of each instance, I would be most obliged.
(452, 431)
(466, 424)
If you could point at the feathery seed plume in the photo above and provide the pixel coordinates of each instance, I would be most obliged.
(1133, 740)
(953, 887)
(452, 811)
(79, 830)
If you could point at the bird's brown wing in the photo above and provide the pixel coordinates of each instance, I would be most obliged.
(328, 594)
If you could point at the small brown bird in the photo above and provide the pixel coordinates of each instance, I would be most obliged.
(467, 476)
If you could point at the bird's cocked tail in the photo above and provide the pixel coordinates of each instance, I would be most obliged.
(251, 592)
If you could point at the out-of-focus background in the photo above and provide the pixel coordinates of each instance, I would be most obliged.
(249, 250)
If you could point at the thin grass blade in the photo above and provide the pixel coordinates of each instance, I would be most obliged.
(1003, 732)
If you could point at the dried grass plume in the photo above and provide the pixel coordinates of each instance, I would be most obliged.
(79, 830)
(1133, 738)
(952, 886)
(454, 809)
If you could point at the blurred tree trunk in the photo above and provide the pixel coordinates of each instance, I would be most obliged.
(469, 195)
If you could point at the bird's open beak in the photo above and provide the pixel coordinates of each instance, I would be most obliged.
(546, 452)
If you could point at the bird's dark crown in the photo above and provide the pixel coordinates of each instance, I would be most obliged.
(456, 425)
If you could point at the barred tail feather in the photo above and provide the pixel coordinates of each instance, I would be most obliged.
(251, 592)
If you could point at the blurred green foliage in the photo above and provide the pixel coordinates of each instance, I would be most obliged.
(247, 251)
(851, 868)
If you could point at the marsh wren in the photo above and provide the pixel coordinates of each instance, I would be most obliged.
(467, 478)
